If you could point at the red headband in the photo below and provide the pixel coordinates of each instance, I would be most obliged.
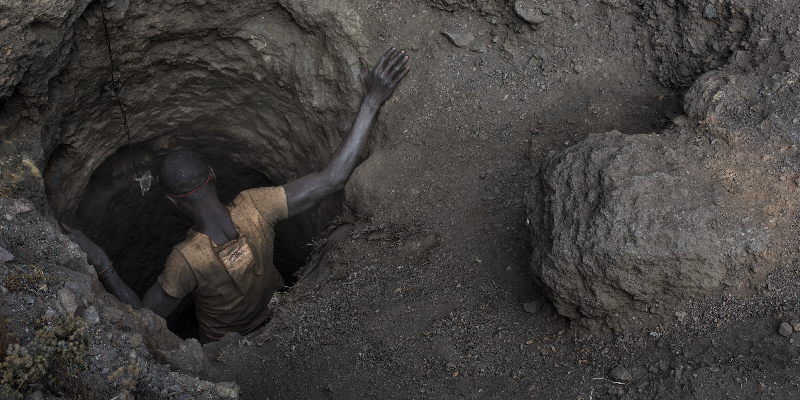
(193, 191)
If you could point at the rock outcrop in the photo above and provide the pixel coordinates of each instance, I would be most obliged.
(624, 225)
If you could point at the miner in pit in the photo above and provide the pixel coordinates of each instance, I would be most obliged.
(226, 260)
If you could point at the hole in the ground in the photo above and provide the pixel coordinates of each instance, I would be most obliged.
(138, 232)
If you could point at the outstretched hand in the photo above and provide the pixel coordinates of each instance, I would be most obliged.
(380, 82)
(94, 254)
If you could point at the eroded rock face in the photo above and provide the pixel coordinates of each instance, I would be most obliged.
(263, 84)
(263, 90)
(629, 224)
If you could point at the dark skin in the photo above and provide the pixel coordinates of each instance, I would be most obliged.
(213, 219)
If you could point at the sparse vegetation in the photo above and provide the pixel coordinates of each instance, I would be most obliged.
(19, 280)
(59, 341)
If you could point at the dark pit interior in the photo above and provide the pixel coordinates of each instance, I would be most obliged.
(138, 231)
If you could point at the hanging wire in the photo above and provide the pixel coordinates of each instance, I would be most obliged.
(114, 87)
(144, 181)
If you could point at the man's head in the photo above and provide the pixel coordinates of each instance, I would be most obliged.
(184, 176)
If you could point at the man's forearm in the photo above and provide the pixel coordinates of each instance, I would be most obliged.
(114, 285)
(379, 84)
(346, 156)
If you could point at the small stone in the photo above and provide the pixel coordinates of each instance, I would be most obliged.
(135, 340)
(15, 206)
(710, 11)
(681, 121)
(185, 396)
(112, 314)
(460, 39)
(188, 357)
(479, 48)
(90, 315)
(50, 312)
(740, 58)
(70, 301)
(796, 326)
(451, 365)
(785, 329)
(681, 316)
(482, 175)
(227, 389)
(620, 374)
(81, 289)
(525, 9)
(533, 307)
(5, 256)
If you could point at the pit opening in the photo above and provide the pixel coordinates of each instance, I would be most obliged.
(139, 231)
(264, 103)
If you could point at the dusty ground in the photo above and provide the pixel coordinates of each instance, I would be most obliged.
(428, 292)
(466, 135)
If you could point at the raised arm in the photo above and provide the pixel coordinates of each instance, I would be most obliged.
(155, 299)
(379, 84)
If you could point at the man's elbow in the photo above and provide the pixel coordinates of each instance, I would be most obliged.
(339, 185)
(336, 182)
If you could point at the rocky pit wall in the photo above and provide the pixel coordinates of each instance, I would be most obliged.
(235, 83)
(622, 226)
(196, 74)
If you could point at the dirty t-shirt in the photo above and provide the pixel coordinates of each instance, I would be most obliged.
(233, 283)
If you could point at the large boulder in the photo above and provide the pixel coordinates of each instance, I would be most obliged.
(624, 225)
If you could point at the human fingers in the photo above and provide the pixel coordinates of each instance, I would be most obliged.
(400, 75)
(382, 63)
(399, 67)
(392, 65)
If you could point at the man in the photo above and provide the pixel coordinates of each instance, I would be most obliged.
(226, 259)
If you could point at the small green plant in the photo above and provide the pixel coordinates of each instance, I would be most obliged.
(61, 340)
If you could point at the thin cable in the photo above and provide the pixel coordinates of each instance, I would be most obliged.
(114, 87)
